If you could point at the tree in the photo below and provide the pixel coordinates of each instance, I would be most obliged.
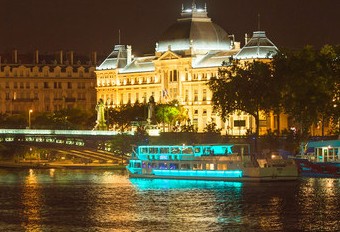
(122, 145)
(170, 113)
(242, 87)
(310, 81)
(15, 121)
(122, 116)
(212, 128)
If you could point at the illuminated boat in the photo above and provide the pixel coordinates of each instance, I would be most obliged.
(320, 159)
(208, 162)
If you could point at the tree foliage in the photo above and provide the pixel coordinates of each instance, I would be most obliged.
(120, 118)
(310, 84)
(171, 113)
(242, 87)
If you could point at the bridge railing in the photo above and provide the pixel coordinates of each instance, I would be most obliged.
(59, 132)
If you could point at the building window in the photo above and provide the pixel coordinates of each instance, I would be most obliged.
(35, 85)
(239, 123)
(46, 85)
(186, 95)
(175, 75)
(69, 85)
(121, 98)
(15, 85)
(57, 85)
(195, 123)
(204, 98)
(137, 97)
(195, 95)
(28, 85)
(21, 85)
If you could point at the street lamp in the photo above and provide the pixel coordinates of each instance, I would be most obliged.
(29, 118)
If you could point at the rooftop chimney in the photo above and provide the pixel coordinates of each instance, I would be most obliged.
(129, 54)
(36, 56)
(246, 39)
(61, 61)
(15, 56)
(71, 57)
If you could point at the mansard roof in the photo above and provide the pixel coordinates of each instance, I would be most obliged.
(116, 59)
(258, 47)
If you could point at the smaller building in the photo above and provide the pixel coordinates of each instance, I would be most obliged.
(47, 82)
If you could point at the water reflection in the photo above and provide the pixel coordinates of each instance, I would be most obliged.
(163, 184)
(31, 201)
(95, 200)
(322, 198)
(186, 204)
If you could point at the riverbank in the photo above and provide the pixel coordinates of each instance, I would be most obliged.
(59, 165)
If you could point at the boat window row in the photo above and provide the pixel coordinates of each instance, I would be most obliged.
(186, 150)
(167, 150)
(183, 166)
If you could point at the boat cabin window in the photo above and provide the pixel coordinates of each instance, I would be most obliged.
(175, 150)
(185, 166)
(187, 150)
(153, 150)
(173, 166)
(162, 166)
(197, 166)
(152, 165)
(164, 150)
(210, 167)
(137, 165)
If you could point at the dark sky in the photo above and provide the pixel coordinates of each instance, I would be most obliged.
(92, 25)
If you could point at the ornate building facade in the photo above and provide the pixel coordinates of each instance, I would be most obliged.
(188, 54)
(46, 83)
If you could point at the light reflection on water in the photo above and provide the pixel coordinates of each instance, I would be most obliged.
(94, 200)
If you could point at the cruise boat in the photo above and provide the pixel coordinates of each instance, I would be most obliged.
(222, 162)
(320, 159)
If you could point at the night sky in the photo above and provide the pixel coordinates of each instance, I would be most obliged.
(92, 25)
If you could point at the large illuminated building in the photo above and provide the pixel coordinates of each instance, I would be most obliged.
(46, 82)
(187, 55)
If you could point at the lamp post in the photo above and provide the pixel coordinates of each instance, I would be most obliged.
(29, 118)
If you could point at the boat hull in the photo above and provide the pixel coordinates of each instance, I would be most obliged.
(247, 175)
(242, 179)
(318, 169)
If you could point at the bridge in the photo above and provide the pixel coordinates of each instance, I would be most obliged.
(84, 144)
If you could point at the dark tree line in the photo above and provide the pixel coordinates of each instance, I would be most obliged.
(66, 119)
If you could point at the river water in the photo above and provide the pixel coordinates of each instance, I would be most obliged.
(99, 200)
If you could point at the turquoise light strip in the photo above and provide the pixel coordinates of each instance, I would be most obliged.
(199, 173)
